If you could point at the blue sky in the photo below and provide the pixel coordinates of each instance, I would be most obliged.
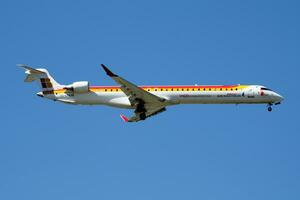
(55, 151)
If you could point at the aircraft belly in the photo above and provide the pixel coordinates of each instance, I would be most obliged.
(110, 99)
(120, 102)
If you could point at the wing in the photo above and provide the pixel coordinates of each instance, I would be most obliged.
(132, 91)
(145, 103)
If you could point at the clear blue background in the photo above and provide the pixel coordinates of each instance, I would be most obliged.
(54, 151)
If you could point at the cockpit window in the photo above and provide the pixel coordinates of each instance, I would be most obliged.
(266, 89)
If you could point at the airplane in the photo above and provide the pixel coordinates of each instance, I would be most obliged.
(147, 101)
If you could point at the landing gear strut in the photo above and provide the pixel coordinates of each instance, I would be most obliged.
(140, 109)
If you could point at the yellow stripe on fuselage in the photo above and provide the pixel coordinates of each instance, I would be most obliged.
(99, 89)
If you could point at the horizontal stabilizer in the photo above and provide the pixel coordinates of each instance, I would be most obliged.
(32, 74)
(42, 76)
(30, 69)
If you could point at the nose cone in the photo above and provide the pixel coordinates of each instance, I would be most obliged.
(278, 97)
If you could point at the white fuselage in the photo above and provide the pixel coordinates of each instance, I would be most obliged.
(147, 101)
(113, 96)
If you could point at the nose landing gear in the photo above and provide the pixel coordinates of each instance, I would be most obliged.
(270, 107)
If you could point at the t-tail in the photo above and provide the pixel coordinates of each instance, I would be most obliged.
(47, 82)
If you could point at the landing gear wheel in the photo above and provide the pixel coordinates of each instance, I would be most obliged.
(270, 109)
(143, 116)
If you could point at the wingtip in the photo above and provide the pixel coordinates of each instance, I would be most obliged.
(108, 72)
(124, 118)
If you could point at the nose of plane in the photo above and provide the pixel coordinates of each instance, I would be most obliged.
(278, 97)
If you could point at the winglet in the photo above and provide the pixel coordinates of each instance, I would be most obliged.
(108, 72)
(124, 118)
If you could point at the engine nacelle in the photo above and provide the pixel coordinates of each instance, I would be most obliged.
(80, 87)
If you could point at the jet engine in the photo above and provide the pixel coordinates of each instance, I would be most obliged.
(79, 87)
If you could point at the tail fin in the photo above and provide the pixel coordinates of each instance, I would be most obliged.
(42, 75)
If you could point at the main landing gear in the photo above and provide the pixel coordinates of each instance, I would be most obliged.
(140, 109)
(143, 116)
